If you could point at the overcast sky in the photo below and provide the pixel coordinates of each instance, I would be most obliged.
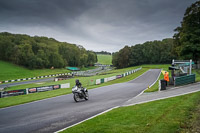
(97, 25)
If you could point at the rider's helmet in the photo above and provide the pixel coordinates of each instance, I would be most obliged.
(77, 81)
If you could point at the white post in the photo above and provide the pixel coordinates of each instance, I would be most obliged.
(26, 90)
(173, 62)
(190, 66)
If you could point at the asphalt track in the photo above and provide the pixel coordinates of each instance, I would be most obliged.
(53, 114)
(26, 82)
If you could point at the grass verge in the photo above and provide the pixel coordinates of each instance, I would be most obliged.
(197, 73)
(155, 87)
(163, 116)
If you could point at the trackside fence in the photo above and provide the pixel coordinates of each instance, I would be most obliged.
(39, 77)
(32, 90)
(182, 80)
(104, 80)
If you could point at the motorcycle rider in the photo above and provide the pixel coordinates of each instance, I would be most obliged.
(79, 85)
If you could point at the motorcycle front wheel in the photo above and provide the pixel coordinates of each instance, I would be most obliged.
(86, 95)
(76, 97)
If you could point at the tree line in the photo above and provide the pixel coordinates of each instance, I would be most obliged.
(185, 44)
(42, 52)
(151, 52)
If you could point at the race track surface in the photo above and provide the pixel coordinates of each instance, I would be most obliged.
(53, 114)
(26, 82)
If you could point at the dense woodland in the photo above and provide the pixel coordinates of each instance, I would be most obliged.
(154, 52)
(184, 45)
(43, 52)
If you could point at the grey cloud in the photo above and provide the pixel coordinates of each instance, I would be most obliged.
(95, 24)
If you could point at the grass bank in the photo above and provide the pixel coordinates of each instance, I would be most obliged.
(9, 71)
(15, 100)
(104, 59)
(163, 116)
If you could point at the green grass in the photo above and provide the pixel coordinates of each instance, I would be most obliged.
(163, 116)
(197, 72)
(192, 124)
(9, 71)
(15, 100)
(157, 66)
(104, 59)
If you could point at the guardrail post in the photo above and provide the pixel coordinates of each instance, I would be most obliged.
(190, 66)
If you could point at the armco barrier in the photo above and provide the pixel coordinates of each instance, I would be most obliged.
(102, 80)
(39, 77)
(42, 88)
(119, 76)
(99, 81)
(67, 85)
(32, 90)
(184, 79)
(105, 80)
(13, 93)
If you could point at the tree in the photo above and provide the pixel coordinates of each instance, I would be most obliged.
(115, 60)
(42, 52)
(187, 38)
(92, 58)
(124, 57)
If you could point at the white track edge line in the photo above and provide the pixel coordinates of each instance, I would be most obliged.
(149, 86)
(162, 98)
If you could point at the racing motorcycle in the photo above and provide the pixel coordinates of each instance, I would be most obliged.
(80, 93)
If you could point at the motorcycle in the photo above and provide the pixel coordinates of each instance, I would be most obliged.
(80, 94)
